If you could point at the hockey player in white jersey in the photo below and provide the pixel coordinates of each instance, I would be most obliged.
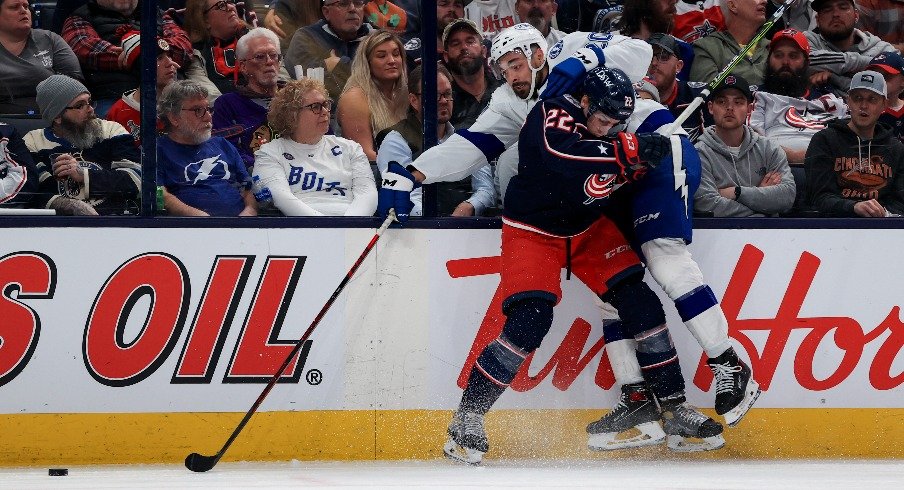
(518, 51)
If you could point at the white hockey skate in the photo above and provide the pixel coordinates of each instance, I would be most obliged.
(467, 439)
(689, 430)
(636, 409)
(736, 390)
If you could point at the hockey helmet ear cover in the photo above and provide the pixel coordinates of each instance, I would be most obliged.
(609, 91)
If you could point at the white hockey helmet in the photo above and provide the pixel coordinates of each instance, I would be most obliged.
(519, 37)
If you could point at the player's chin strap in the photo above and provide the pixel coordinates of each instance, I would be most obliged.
(533, 79)
(727, 70)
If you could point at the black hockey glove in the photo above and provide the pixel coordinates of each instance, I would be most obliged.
(641, 152)
(652, 148)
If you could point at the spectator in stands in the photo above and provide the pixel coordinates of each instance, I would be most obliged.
(856, 167)
(640, 19)
(104, 36)
(245, 110)
(540, 14)
(883, 18)
(491, 16)
(402, 143)
(742, 173)
(18, 175)
(202, 175)
(788, 109)
(836, 20)
(127, 110)
(376, 94)
(673, 93)
(466, 58)
(743, 19)
(891, 66)
(28, 57)
(284, 17)
(215, 27)
(307, 172)
(80, 157)
(788, 65)
(330, 43)
(446, 12)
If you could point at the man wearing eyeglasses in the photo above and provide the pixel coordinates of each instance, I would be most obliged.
(86, 165)
(330, 43)
(241, 116)
(675, 94)
(201, 175)
(401, 143)
(104, 36)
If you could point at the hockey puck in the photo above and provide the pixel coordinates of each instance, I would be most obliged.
(58, 472)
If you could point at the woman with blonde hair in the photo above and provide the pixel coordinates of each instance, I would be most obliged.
(376, 94)
(306, 171)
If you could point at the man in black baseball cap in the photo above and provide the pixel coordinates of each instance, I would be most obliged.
(732, 82)
(743, 173)
(465, 55)
(675, 94)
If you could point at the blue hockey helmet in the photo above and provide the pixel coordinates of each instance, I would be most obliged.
(610, 91)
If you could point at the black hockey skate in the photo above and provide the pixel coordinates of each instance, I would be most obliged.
(467, 439)
(689, 430)
(736, 390)
(635, 409)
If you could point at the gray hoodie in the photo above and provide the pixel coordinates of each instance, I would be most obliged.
(855, 58)
(720, 169)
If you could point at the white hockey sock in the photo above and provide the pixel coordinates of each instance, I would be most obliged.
(623, 358)
(671, 265)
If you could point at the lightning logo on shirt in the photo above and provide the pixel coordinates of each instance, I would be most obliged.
(206, 169)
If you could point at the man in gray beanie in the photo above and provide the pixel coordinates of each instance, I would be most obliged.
(85, 165)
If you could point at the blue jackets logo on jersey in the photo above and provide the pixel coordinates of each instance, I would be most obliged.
(336, 151)
(599, 186)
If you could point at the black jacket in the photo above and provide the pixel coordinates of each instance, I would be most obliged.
(843, 169)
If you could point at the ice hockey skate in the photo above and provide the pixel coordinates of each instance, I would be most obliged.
(687, 429)
(467, 440)
(736, 390)
(636, 409)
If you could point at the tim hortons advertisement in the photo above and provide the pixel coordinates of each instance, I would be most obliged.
(185, 320)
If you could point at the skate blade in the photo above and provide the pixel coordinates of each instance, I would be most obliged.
(733, 417)
(456, 452)
(650, 434)
(681, 444)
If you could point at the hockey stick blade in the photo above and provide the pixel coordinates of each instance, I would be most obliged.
(200, 464)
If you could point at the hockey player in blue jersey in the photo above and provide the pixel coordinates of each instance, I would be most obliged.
(554, 218)
(520, 53)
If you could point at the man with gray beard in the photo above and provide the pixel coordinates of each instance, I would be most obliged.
(86, 165)
(201, 175)
(466, 58)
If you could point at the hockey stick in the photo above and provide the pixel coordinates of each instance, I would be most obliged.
(199, 463)
(727, 70)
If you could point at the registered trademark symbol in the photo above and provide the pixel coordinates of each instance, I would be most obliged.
(314, 377)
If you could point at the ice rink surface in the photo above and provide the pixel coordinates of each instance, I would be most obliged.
(610, 474)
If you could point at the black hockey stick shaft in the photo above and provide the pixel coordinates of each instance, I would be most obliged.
(686, 113)
(199, 463)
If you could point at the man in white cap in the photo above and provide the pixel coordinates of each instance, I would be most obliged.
(80, 157)
(855, 167)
